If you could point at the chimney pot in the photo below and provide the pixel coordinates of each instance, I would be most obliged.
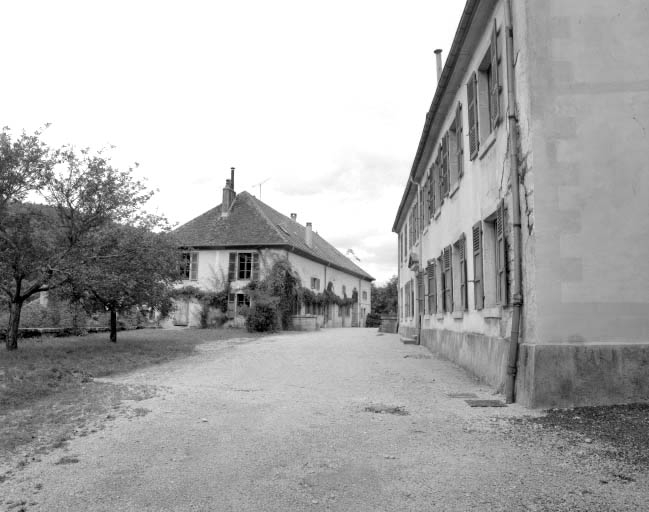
(438, 58)
(232, 177)
(294, 217)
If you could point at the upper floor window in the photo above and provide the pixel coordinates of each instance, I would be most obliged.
(243, 266)
(189, 265)
(315, 283)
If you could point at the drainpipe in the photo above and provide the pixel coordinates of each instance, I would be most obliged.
(517, 296)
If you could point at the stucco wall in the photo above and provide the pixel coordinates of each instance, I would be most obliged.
(590, 111)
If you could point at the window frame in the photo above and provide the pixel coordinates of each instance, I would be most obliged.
(189, 265)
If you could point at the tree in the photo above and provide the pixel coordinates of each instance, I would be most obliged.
(385, 298)
(43, 245)
(129, 266)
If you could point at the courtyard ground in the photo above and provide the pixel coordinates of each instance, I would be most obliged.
(340, 419)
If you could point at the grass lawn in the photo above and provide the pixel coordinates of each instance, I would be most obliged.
(47, 392)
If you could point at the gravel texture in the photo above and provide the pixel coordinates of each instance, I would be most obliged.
(341, 420)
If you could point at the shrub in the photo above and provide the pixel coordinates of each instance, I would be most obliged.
(262, 317)
(373, 320)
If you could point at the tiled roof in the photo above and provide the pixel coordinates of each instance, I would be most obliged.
(253, 223)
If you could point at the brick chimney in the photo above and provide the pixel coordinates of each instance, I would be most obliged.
(228, 195)
(308, 234)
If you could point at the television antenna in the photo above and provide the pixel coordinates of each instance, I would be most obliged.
(259, 185)
(350, 252)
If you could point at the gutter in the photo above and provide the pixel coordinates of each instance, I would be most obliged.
(517, 296)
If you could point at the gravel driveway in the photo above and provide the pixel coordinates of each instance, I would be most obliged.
(287, 423)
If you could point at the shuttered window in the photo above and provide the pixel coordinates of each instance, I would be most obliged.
(461, 247)
(436, 199)
(432, 288)
(478, 282)
(494, 80)
(420, 293)
(444, 171)
(243, 266)
(447, 279)
(189, 265)
(472, 106)
(501, 256)
(459, 141)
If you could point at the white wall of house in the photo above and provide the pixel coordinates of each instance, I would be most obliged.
(213, 274)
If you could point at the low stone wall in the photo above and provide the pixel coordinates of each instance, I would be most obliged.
(389, 324)
(304, 323)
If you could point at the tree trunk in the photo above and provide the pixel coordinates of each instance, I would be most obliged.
(14, 321)
(113, 326)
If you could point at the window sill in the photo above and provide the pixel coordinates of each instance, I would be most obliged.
(455, 188)
(486, 144)
(458, 315)
(493, 312)
(437, 212)
(440, 316)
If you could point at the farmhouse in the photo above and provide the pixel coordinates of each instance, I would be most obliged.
(239, 240)
(523, 230)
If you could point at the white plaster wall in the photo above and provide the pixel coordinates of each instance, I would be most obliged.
(590, 137)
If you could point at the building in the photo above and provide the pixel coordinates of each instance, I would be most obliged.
(523, 229)
(239, 240)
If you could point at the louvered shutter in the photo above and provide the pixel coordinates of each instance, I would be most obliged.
(435, 192)
(478, 284)
(432, 289)
(463, 278)
(420, 293)
(472, 99)
(255, 266)
(193, 266)
(232, 266)
(501, 256)
(459, 144)
(494, 93)
(448, 280)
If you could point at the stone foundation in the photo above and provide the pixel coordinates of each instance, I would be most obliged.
(567, 375)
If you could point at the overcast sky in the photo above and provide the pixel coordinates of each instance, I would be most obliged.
(324, 102)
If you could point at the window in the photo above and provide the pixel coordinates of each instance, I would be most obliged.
(447, 280)
(243, 266)
(478, 286)
(315, 283)
(189, 265)
(242, 300)
(494, 250)
(455, 151)
(501, 256)
(420, 293)
(364, 295)
(432, 288)
(472, 101)
(459, 141)
(444, 169)
(459, 275)
(344, 291)
(489, 88)
(431, 193)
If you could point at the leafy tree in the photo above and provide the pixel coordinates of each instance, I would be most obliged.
(127, 267)
(385, 298)
(43, 246)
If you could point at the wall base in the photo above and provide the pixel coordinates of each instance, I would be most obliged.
(570, 375)
(483, 356)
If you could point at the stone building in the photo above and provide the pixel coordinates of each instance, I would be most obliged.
(523, 229)
(239, 240)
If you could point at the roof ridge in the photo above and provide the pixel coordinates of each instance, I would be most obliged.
(253, 200)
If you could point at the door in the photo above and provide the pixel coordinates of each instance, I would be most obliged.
(181, 313)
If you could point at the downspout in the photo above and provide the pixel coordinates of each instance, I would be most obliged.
(517, 296)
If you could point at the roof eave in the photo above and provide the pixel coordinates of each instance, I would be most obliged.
(442, 84)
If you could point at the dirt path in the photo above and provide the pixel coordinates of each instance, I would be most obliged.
(280, 424)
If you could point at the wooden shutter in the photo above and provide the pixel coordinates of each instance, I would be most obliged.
(444, 182)
(448, 280)
(472, 99)
(501, 256)
(463, 278)
(232, 266)
(478, 284)
(459, 143)
(420, 293)
(494, 93)
(435, 192)
(193, 266)
(255, 266)
(432, 288)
